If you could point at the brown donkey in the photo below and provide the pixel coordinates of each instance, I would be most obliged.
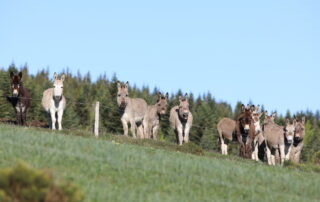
(245, 131)
(20, 99)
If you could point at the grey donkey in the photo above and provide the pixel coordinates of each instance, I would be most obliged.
(299, 133)
(132, 110)
(152, 117)
(181, 120)
(274, 138)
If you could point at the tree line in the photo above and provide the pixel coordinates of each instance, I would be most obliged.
(82, 93)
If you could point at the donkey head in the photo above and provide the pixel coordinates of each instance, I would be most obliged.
(15, 83)
(58, 87)
(162, 103)
(123, 94)
(246, 118)
(299, 130)
(289, 130)
(184, 107)
(256, 114)
(269, 119)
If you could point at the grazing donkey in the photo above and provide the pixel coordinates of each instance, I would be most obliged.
(226, 129)
(274, 138)
(258, 141)
(181, 120)
(298, 141)
(132, 110)
(152, 117)
(245, 131)
(54, 102)
(289, 131)
(20, 99)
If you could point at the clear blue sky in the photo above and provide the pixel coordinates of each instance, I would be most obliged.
(264, 51)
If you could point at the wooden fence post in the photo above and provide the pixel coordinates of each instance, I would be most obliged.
(96, 119)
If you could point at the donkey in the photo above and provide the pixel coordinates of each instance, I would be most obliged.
(298, 140)
(259, 139)
(20, 99)
(289, 131)
(245, 130)
(152, 117)
(132, 110)
(54, 102)
(274, 139)
(181, 120)
(226, 129)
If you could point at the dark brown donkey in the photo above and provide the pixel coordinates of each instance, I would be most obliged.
(245, 130)
(20, 98)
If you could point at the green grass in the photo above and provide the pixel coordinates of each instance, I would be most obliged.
(111, 171)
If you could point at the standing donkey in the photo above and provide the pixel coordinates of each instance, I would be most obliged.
(258, 141)
(152, 117)
(289, 131)
(298, 140)
(132, 110)
(274, 138)
(54, 102)
(226, 129)
(181, 120)
(245, 131)
(20, 99)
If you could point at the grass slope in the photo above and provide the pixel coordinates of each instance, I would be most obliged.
(108, 171)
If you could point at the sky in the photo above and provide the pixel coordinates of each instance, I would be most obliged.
(267, 52)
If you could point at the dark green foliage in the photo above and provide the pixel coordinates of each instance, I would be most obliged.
(82, 93)
(23, 183)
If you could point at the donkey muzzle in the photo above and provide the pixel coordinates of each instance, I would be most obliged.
(57, 98)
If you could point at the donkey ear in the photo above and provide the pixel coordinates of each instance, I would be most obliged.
(243, 108)
(294, 121)
(186, 96)
(274, 115)
(118, 84)
(252, 108)
(180, 98)
(287, 121)
(20, 75)
(159, 94)
(258, 108)
(127, 84)
(303, 120)
(63, 77)
(11, 74)
(167, 96)
(55, 76)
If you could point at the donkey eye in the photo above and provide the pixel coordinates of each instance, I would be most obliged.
(127, 95)
(61, 86)
(119, 95)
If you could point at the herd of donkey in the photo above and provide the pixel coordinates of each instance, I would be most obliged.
(254, 138)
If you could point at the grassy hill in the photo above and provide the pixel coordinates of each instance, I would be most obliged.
(110, 171)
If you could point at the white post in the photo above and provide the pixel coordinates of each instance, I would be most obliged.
(96, 120)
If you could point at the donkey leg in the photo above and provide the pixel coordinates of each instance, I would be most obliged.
(282, 154)
(53, 119)
(222, 146)
(125, 126)
(140, 132)
(186, 133)
(155, 132)
(225, 149)
(268, 156)
(180, 136)
(60, 114)
(133, 128)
